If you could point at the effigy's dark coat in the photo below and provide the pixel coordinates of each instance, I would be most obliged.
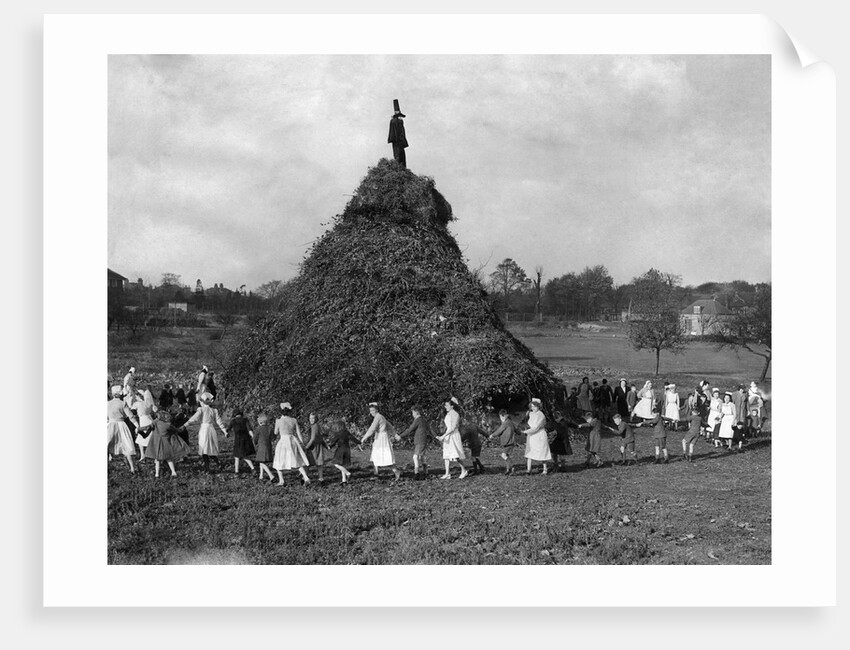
(397, 136)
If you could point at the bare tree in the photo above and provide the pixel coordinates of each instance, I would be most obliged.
(655, 323)
(538, 272)
(507, 278)
(170, 279)
(751, 328)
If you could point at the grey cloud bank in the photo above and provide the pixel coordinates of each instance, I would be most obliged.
(225, 168)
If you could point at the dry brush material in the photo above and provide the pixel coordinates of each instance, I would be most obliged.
(385, 309)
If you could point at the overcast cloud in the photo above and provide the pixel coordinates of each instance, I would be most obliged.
(225, 168)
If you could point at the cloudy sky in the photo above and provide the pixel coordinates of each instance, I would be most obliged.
(225, 168)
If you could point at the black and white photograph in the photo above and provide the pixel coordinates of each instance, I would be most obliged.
(439, 309)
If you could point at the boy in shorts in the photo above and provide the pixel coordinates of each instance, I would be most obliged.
(659, 436)
(627, 442)
(470, 434)
(753, 424)
(692, 435)
(420, 432)
(507, 439)
(593, 446)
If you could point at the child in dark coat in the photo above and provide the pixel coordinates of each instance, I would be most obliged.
(262, 434)
(506, 433)
(559, 445)
(179, 418)
(243, 446)
(164, 445)
(753, 424)
(340, 438)
(627, 440)
(659, 436)
(421, 433)
(594, 440)
(470, 434)
(694, 428)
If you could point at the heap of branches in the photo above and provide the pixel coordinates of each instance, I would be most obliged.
(385, 309)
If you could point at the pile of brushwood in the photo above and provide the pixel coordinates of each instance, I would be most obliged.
(385, 309)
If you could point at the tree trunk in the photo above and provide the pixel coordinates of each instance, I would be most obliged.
(766, 366)
(657, 360)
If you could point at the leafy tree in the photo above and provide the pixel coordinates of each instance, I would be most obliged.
(581, 296)
(508, 278)
(750, 329)
(170, 279)
(562, 295)
(620, 297)
(596, 286)
(655, 323)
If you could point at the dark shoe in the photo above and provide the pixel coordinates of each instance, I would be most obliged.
(666, 461)
(657, 461)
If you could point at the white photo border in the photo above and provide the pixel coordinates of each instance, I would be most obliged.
(76, 47)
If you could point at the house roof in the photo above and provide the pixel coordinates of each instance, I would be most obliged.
(112, 274)
(710, 307)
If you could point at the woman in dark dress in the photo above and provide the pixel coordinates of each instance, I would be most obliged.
(340, 437)
(179, 417)
(192, 400)
(242, 444)
(263, 444)
(620, 399)
(211, 387)
(166, 399)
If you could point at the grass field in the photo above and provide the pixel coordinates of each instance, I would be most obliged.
(713, 511)
(608, 353)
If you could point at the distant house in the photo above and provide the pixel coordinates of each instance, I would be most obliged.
(114, 288)
(182, 306)
(704, 317)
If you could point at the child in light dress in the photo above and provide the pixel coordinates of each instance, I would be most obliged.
(289, 451)
(452, 443)
(382, 449)
(537, 440)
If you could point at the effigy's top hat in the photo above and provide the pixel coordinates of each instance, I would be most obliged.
(397, 110)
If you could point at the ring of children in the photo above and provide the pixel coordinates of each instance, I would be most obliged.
(383, 412)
